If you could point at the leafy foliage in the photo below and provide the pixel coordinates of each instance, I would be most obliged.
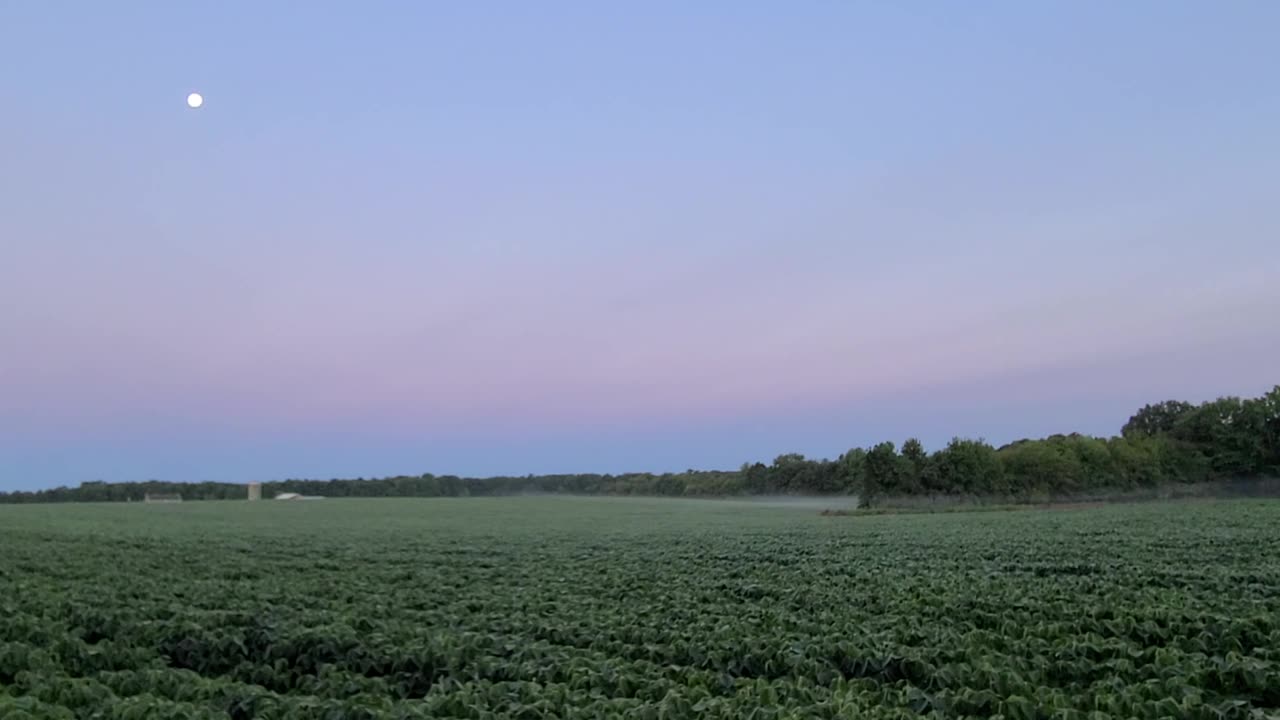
(587, 608)
(1157, 419)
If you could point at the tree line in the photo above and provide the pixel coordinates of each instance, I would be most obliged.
(1169, 442)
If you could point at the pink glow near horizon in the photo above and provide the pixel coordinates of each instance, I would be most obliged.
(801, 223)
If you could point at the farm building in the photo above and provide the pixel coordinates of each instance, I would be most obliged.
(297, 496)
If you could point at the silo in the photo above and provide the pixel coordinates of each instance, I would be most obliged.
(255, 491)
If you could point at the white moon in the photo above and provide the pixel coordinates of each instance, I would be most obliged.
(194, 100)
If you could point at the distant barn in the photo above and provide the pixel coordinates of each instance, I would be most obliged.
(298, 496)
(161, 498)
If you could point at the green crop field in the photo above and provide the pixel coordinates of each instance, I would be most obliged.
(600, 608)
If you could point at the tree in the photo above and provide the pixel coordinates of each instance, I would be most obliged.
(1040, 467)
(1268, 417)
(1136, 461)
(915, 466)
(1230, 432)
(882, 470)
(1156, 419)
(852, 470)
(970, 467)
(786, 470)
(755, 477)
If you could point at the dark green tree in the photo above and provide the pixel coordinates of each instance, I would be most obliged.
(755, 478)
(915, 467)
(787, 471)
(1269, 416)
(852, 469)
(1156, 419)
(970, 467)
(1229, 432)
(882, 470)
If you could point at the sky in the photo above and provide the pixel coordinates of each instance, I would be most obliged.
(509, 238)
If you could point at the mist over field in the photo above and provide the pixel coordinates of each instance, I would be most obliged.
(801, 502)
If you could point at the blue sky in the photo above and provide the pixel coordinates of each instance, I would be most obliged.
(407, 237)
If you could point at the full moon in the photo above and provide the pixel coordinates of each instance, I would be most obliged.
(194, 100)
